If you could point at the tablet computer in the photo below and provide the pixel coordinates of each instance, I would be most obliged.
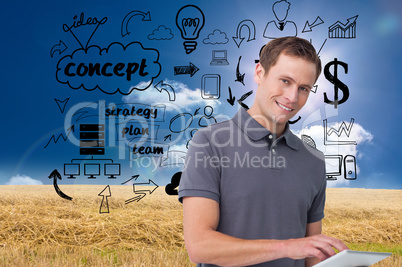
(351, 258)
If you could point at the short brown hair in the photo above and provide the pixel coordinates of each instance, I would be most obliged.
(292, 46)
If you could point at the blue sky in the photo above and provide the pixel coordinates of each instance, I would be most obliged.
(44, 42)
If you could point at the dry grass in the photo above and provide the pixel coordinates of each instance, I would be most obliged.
(366, 219)
(38, 228)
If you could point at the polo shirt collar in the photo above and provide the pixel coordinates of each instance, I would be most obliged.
(256, 131)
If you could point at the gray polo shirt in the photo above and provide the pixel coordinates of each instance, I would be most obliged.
(266, 187)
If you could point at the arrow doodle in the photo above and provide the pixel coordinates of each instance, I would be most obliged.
(104, 206)
(140, 194)
(244, 97)
(56, 175)
(166, 87)
(62, 104)
(129, 16)
(61, 47)
(251, 32)
(309, 27)
(231, 98)
(239, 76)
(55, 140)
(340, 30)
(169, 136)
(191, 69)
(197, 111)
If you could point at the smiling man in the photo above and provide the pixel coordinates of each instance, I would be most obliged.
(252, 192)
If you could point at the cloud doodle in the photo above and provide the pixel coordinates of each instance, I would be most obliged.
(162, 33)
(111, 70)
(217, 37)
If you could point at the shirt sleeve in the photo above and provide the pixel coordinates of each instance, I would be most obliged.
(199, 178)
(316, 211)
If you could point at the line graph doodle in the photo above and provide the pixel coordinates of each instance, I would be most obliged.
(343, 128)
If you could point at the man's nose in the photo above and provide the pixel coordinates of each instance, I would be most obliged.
(292, 94)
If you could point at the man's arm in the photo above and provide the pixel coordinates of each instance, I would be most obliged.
(205, 245)
(313, 229)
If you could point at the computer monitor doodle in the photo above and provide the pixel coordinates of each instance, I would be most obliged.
(219, 57)
(112, 169)
(333, 166)
(72, 170)
(92, 169)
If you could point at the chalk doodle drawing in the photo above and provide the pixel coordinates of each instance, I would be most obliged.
(309, 27)
(338, 84)
(105, 194)
(133, 62)
(343, 31)
(219, 58)
(190, 20)
(60, 47)
(162, 33)
(343, 128)
(231, 100)
(239, 76)
(112, 70)
(80, 34)
(250, 26)
(216, 37)
(129, 17)
(281, 27)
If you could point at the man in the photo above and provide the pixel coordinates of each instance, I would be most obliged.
(252, 192)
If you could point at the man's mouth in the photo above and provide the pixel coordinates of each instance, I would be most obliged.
(284, 107)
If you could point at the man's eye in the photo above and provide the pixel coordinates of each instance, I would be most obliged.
(285, 81)
(304, 89)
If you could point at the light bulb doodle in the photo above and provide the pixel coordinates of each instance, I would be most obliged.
(190, 20)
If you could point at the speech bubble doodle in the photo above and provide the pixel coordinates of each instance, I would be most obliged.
(113, 69)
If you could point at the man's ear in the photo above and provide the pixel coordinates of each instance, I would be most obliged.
(258, 73)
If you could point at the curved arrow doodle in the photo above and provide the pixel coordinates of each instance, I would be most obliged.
(239, 76)
(61, 47)
(251, 32)
(56, 175)
(169, 89)
(129, 16)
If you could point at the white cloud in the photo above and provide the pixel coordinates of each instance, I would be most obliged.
(357, 134)
(23, 180)
(185, 97)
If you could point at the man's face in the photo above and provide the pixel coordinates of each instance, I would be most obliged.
(283, 91)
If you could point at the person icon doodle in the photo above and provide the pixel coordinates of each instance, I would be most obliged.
(283, 27)
(207, 119)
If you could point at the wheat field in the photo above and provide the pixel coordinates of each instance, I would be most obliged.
(39, 228)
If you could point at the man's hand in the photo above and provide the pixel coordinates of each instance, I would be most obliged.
(319, 246)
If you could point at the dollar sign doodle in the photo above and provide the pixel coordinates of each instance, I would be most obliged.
(337, 83)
